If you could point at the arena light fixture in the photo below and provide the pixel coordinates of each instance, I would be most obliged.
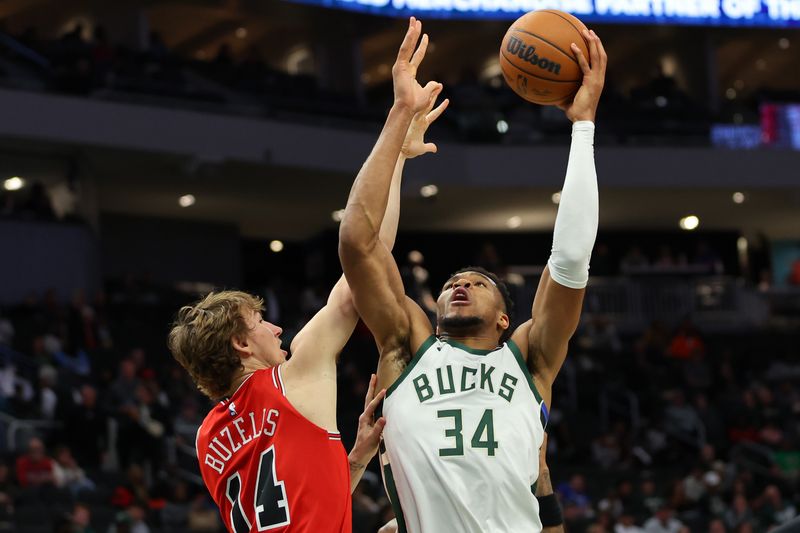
(14, 183)
(514, 222)
(276, 246)
(690, 222)
(556, 198)
(738, 197)
(502, 126)
(337, 215)
(187, 200)
(429, 191)
(742, 244)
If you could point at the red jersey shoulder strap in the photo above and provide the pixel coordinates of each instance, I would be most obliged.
(277, 379)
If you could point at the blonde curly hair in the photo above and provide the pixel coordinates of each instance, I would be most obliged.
(200, 339)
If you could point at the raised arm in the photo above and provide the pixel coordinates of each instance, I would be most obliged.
(329, 330)
(368, 265)
(559, 298)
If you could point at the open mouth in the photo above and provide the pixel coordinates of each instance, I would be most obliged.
(460, 296)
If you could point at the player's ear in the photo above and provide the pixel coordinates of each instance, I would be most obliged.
(503, 321)
(240, 345)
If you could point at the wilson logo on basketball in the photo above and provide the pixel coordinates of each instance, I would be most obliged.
(527, 52)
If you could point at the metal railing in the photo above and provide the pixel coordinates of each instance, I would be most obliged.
(621, 402)
(19, 431)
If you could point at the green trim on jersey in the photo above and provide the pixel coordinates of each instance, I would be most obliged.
(473, 351)
(393, 499)
(518, 356)
(407, 370)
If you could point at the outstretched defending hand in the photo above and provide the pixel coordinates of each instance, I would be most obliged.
(408, 93)
(584, 105)
(414, 144)
(369, 430)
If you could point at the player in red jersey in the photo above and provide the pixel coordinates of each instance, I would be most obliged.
(270, 453)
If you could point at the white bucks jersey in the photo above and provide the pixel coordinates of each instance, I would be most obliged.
(462, 438)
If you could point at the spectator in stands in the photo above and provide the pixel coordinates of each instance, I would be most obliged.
(574, 496)
(626, 524)
(679, 416)
(131, 520)
(773, 509)
(686, 342)
(712, 421)
(35, 468)
(647, 500)
(123, 402)
(81, 519)
(717, 526)
(86, 429)
(175, 514)
(664, 522)
(8, 493)
(21, 404)
(8, 382)
(739, 513)
(600, 335)
(47, 397)
(68, 474)
(694, 486)
(142, 424)
(415, 280)
(633, 260)
(204, 515)
(665, 259)
(606, 451)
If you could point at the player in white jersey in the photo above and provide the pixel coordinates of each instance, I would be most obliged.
(465, 408)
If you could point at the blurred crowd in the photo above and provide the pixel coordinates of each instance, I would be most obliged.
(86, 61)
(665, 430)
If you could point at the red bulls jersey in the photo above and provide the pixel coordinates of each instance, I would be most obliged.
(269, 468)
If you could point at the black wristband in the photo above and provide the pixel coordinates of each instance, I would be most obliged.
(550, 511)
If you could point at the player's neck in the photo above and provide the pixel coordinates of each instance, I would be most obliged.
(249, 365)
(474, 340)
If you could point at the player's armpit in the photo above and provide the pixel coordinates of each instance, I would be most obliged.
(394, 357)
(319, 343)
(556, 312)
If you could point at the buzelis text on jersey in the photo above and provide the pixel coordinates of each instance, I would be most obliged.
(238, 434)
(449, 381)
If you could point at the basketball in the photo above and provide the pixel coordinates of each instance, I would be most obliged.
(537, 60)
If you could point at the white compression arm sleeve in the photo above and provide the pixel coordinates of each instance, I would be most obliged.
(576, 222)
